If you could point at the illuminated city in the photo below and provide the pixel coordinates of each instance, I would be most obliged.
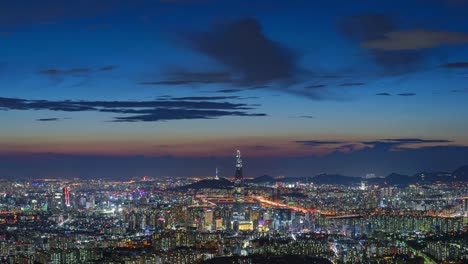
(187, 220)
(233, 132)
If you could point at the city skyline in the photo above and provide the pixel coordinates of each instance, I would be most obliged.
(173, 88)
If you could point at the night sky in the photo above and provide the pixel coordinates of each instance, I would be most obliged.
(173, 87)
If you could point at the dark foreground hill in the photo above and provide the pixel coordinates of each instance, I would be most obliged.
(222, 183)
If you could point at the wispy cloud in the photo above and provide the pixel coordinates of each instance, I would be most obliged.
(108, 68)
(159, 110)
(74, 71)
(396, 143)
(201, 98)
(388, 143)
(314, 86)
(183, 77)
(69, 71)
(48, 119)
(229, 91)
(352, 84)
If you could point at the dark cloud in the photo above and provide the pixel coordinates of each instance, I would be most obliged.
(365, 28)
(74, 71)
(314, 86)
(329, 76)
(313, 94)
(183, 77)
(249, 59)
(178, 82)
(229, 91)
(455, 65)
(383, 94)
(416, 140)
(201, 98)
(244, 49)
(306, 116)
(159, 110)
(62, 72)
(263, 86)
(178, 114)
(397, 143)
(406, 94)
(352, 84)
(48, 119)
(108, 68)
(388, 143)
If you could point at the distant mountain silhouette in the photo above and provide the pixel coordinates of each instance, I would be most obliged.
(396, 179)
(434, 176)
(461, 174)
(262, 179)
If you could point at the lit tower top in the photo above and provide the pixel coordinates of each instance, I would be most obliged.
(216, 177)
(239, 178)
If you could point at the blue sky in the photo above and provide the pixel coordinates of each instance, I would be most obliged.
(196, 79)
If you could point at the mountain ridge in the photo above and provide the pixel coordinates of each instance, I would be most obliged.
(458, 175)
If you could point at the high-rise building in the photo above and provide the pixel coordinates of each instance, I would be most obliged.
(66, 196)
(208, 218)
(239, 178)
(238, 213)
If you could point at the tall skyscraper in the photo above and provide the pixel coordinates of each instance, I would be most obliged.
(239, 178)
(238, 214)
